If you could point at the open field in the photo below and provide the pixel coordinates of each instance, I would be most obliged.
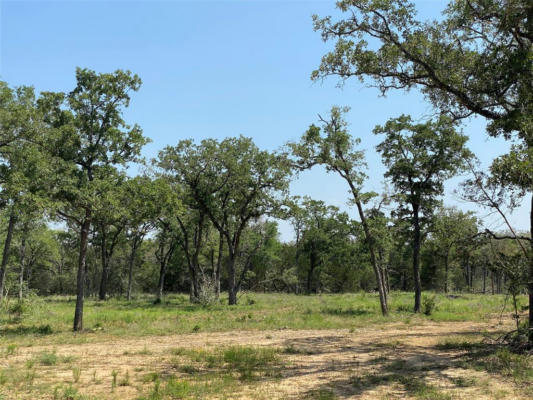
(270, 346)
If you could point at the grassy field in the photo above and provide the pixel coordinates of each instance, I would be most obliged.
(269, 346)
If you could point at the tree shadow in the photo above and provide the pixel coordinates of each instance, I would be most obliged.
(407, 370)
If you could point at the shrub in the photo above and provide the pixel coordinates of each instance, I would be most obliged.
(429, 304)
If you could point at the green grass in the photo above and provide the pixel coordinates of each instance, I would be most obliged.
(245, 362)
(256, 311)
(50, 358)
(201, 388)
(197, 373)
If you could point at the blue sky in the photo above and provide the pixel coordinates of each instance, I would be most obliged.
(215, 69)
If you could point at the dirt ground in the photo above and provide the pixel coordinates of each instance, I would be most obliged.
(336, 363)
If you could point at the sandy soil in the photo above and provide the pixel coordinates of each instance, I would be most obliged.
(349, 364)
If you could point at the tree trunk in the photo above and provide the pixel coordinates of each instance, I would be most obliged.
(193, 272)
(5, 256)
(131, 262)
(219, 265)
(102, 292)
(161, 284)
(22, 260)
(387, 280)
(82, 260)
(105, 268)
(60, 275)
(371, 246)
(416, 258)
(312, 265)
(484, 279)
(232, 287)
(530, 277)
(446, 274)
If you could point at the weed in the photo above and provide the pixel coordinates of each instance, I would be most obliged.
(126, 380)
(144, 351)
(248, 360)
(67, 393)
(11, 349)
(114, 375)
(46, 358)
(30, 377)
(151, 377)
(76, 374)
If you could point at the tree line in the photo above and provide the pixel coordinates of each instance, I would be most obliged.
(201, 216)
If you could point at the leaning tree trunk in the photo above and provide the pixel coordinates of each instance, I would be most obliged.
(82, 260)
(5, 256)
(371, 246)
(416, 258)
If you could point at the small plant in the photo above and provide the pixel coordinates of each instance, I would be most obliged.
(248, 360)
(67, 359)
(18, 310)
(151, 377)
(10, 350)
(68, 393)
(46, 358)
(196, 328)
(428, 304)
(30, 377)
(3, 378)
(144, 351)
(114, 374)
(76, 374)
(126, 380)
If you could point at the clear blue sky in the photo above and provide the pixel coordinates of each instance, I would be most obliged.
(214, 69)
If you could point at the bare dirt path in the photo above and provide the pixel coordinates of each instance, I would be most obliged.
(390, 361)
